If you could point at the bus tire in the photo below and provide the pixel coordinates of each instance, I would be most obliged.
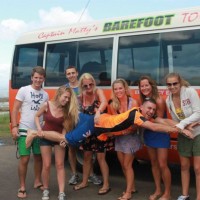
(79, 159)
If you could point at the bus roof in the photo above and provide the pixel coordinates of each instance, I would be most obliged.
(151, 21)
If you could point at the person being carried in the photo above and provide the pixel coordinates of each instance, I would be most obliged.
(111, 125)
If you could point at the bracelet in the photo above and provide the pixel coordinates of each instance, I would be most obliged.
(15, 126)
(180, 131)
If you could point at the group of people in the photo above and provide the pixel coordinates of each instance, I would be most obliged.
(79, 116)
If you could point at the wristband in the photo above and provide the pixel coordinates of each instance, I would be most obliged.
(15, 126)
(180, 131)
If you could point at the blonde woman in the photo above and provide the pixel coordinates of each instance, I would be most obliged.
(184, 106)
(93, 102)
(57, 115)
(125, 145)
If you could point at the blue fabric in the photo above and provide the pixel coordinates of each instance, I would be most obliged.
(156, 139)
(85, 124)
(76, 89)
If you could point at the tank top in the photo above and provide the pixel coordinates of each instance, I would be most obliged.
(52, 123)
(90, 109)
(180, 113)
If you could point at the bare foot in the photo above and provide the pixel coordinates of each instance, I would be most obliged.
(154, 196)
(31, 134)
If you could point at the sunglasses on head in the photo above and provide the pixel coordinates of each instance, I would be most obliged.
(149, 99)
(172, 84)
(88, 86)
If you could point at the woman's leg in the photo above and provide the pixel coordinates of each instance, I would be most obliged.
(197, 174)
(185, 175)
(101, 157)
(128, 166)
(49, 135)
(84, 128)
(155, 171)
(126, 161)
(162, 154)
(59, 163)
(46, 152)
(129, 174)
(120, 157)
(87, 163)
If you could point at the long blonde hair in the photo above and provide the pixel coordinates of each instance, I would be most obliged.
(70, 110)
(86, 76)
(115, 101)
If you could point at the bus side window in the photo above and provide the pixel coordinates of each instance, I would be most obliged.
(104, 79)
(93, 68)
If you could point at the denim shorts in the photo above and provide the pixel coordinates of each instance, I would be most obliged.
(44, 142)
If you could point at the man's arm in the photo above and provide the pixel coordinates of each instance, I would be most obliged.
(173, 123)
(14, 118)
(165, 121)
(165, 128)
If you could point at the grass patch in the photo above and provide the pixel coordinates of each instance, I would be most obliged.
(4, 125)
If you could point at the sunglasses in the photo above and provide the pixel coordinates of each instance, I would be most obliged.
(150, 100)
(172, 84)
(88, 86)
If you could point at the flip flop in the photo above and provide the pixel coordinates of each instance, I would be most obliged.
(40, 187)
(124, 198)
(154, 196)
(21, 194)
(103, 191)
(164, 198)
(132, 192)
(79, 187)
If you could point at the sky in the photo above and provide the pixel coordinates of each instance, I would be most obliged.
(17, 17)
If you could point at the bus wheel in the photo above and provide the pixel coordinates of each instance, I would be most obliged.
(79, 159)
